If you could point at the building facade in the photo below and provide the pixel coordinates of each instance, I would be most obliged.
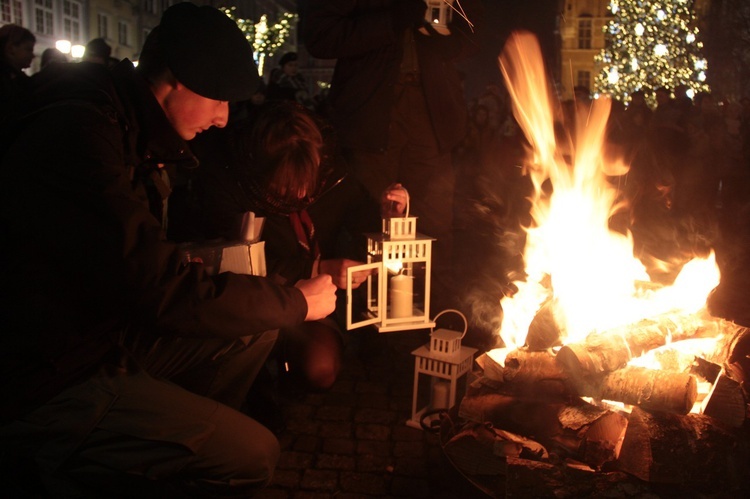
(582, 25)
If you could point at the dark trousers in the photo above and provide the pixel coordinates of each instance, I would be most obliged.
(131, 431)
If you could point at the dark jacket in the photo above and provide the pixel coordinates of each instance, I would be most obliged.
(361, 35)
(83, 257)
(216, 195)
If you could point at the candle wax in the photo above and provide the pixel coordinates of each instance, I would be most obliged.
(401, 296)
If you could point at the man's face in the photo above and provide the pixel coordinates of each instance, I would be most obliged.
(21, 55)
(290, 68)
(190, 113)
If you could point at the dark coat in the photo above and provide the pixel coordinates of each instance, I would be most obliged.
(361, 35)
(83, 257)
(215, 198)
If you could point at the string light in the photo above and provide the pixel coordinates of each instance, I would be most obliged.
(650, 44)
(266, 37)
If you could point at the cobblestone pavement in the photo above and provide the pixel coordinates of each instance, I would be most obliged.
(353, 441)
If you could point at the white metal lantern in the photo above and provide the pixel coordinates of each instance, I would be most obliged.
(439, 14)
(398, 288)
(445, 361)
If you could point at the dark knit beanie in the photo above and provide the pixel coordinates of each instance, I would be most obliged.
(207, 52)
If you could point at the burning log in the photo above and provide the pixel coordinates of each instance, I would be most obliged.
(649, 389)
(531, 375)
(611, 350)
(692, 450)
(536, 376)
(726, 402)
(578, 430)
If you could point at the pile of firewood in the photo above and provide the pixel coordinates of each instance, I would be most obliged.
(544, 420)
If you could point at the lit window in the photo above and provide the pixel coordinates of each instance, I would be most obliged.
(584, 34)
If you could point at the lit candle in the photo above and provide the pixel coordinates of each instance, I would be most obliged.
(401, 296)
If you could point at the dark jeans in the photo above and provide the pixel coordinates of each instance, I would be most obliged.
(127, 432)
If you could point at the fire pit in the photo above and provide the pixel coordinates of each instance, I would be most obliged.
(607, 381)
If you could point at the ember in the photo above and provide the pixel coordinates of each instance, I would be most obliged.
(603, 371)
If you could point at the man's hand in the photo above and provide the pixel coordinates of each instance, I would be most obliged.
(320, 294)
(336, 268)
(393, 201)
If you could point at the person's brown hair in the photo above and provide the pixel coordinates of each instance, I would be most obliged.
(286, 146)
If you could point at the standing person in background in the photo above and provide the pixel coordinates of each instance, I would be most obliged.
(97, 51)
(398, 106)
(16, 53)
(287, 83)
(50, 56)
(106, 322)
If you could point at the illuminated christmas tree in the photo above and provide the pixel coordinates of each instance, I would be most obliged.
(650, 44)
(265, 37)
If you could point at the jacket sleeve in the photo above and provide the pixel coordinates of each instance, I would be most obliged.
(75, 200)
(334, 29)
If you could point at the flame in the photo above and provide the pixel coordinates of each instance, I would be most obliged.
(574, 262)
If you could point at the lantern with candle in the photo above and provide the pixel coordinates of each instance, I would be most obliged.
(396, 295)
(439, 14)
(445, 361)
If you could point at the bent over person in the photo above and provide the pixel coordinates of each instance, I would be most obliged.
(123, 367)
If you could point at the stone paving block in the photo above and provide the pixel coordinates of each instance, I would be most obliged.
(363, 483)
(371, 387)
(297, 410)
(295, 460)
(348, 399)
(417, 467)
(306, 443)
(372, 432)
(370, 463)
(410, 487)
(373, 400)
(378, 416)
(339, 446)
(286, 478)
(337, 429)
(304, 426)
(335, 462)
(305, 494)
(271, 493)
(402, 432)
(373, 447)
(320, 480)
(401, 404)
(342, 386)
(286, 440)
(334, 413)
(408, 449)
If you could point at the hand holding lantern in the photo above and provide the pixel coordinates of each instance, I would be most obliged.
(397, 294)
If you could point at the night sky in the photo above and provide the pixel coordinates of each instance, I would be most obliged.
(502, 17)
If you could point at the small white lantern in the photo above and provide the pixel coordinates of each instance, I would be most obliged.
(439, 14)
(445, 361)
(398, 288)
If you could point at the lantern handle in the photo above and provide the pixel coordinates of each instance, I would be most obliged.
(466, 322)
(392, 203)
